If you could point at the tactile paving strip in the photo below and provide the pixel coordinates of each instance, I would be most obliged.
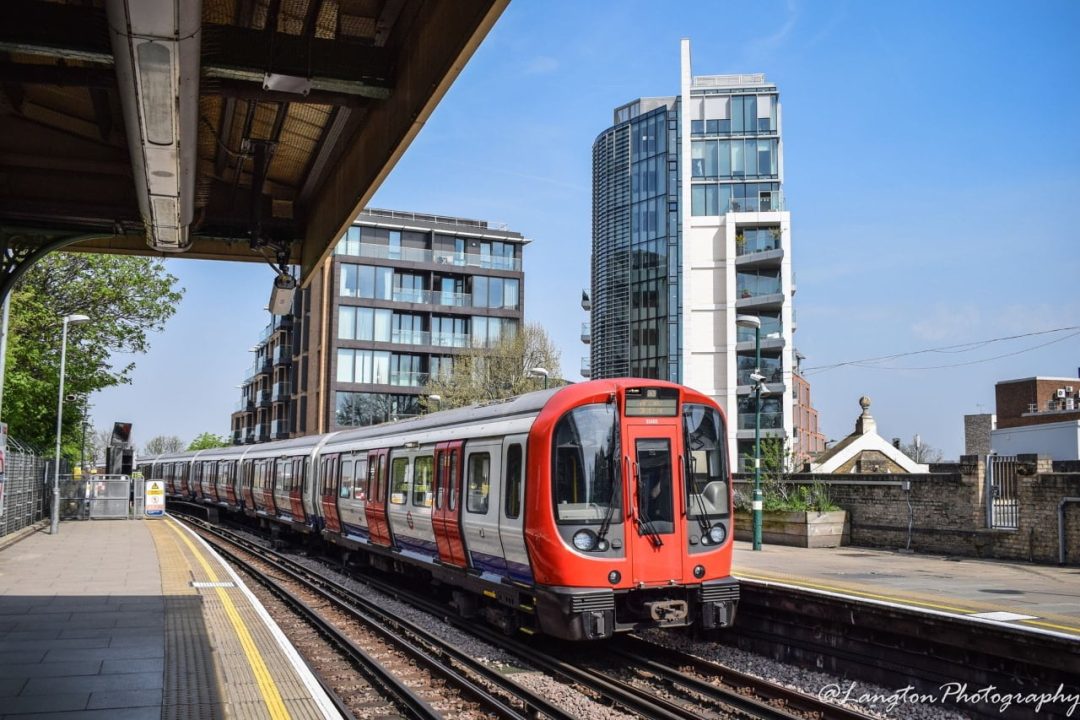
(192, 686)
(241, 694)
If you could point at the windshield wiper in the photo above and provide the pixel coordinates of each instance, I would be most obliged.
(702, 519)
(644, 522)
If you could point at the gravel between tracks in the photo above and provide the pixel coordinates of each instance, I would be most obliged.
(807, 681)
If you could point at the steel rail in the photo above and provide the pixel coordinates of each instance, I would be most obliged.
(638, 652)
(409, 702)
(384, 622)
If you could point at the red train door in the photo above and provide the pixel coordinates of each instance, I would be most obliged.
(375, 510)
(228, 470)
(330, 481)
(297, 491)
(446, 513)
(655, 537)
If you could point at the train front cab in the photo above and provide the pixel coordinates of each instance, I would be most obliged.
(633, 528)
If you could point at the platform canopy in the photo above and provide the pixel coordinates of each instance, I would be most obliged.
(227, 129)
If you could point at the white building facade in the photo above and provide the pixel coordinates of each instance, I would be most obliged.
(690, 230)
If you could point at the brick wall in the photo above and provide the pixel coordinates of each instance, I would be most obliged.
(947, 511)
(1014, 398)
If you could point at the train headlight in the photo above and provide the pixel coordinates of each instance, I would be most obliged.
(699, 571)
(585, 540)
(717, 534)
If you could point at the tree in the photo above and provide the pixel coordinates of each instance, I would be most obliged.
(96, 442)
(162, 444)
(208, 440)
(497, 372)
(126, 298)
(920, 452)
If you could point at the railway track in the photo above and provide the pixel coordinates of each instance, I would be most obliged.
(635, 675)
(491, 693)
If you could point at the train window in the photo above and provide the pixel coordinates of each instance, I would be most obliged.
(453, 479)
(360, 489)
(586, 466)
(399, 481)
(706, 466)
(422, 471)
(443, 481)
(284, 475)
(513, 481)
(479, 483)
(654, 484)
(346, 478)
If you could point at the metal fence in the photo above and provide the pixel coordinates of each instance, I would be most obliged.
(25, 494)
(99, 497)
(1002, 505)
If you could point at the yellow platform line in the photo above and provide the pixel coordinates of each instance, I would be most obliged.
(899, 600)
(267, 686)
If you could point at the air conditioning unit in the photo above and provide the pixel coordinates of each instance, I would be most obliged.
(1069, 389)
(1061, 393)
(1070, 404)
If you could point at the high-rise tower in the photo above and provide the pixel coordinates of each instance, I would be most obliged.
(690, 230)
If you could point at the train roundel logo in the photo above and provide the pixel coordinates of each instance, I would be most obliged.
(408, 519)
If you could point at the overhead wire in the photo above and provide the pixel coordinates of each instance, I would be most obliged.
(872, 362)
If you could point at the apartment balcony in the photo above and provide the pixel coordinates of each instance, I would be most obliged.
(764, 202)
(282, 355)
(237, 437)
(586, 301)
(279, 429)
(281, 392)
(758, 291)
(441, 339)
(769, 421)
(410, 337)
(245, 405)
(262, 399)
(408, 379)
(440, 257)
(586, 332)
(586, 366)
(249, 434)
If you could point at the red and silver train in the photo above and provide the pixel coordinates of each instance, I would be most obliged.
(579, 512)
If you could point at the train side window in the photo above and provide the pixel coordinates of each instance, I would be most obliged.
(442, 482)
(346, 478)
(513, 481)
(422, 469)
(399, 481)
(360, 488)
(284, 476)
(479, 483)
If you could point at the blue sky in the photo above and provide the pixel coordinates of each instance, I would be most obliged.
(932, 171)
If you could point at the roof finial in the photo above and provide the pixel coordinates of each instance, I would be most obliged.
(865, 424)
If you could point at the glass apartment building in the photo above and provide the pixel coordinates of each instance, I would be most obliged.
(402, 296)
(690, 229)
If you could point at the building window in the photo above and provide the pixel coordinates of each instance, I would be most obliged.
(363, 408)
(350, 242)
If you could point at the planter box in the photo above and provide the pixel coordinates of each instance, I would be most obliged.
(797, 529)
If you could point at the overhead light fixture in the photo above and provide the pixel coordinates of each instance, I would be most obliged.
(157, 47)
(286, 83)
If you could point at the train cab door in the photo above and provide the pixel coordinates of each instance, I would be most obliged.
(378, 470)
(655, 537)
(446, 514)
(328, 488)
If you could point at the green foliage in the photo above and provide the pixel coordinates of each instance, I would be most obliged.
(126, 298)
(778, 493)
(209, 440)
(495, 373)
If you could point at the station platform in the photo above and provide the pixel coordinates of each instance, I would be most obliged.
(1037, 598)
(134, 619)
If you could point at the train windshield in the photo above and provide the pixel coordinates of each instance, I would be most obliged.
(586, 463)
(707, 490)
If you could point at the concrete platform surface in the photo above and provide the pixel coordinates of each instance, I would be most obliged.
(1020, 594)
(105, 620)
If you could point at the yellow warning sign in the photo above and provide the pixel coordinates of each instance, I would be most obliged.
(155, 498)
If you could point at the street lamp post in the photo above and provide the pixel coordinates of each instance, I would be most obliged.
(437, 399)
(54, 526)
(540, 372)
(750, 321)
